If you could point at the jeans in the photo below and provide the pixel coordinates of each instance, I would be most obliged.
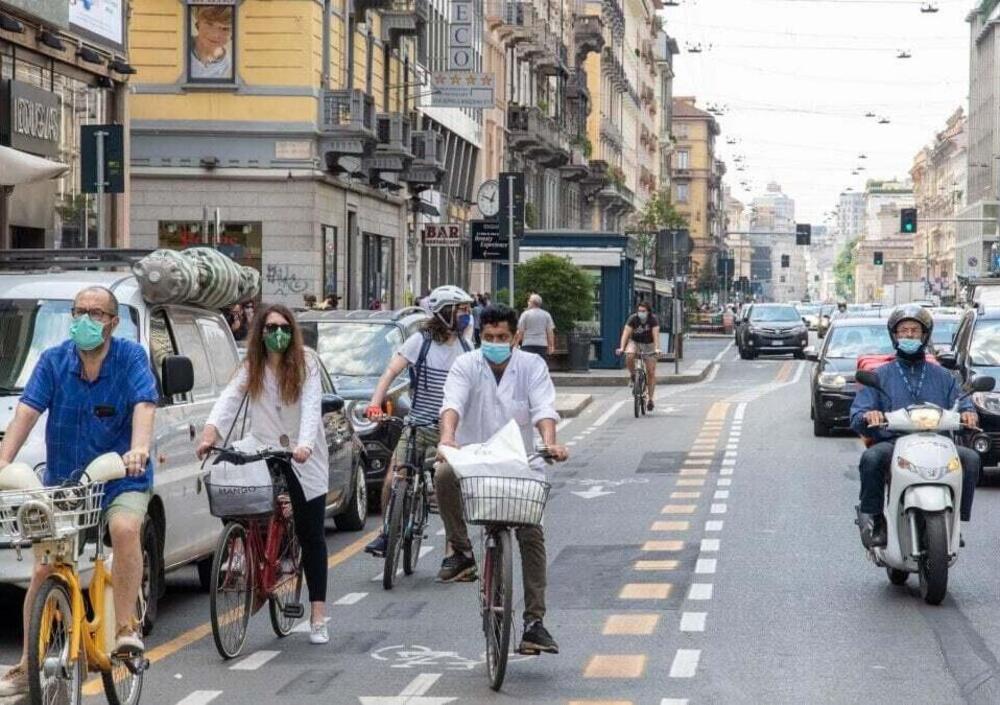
(874, 469)
(530, 538)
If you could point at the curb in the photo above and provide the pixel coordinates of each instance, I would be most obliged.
(576, 404)
(586, 380)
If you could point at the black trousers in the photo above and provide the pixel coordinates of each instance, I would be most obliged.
(310, 520)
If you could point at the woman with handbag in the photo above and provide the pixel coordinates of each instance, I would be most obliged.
(280, 383)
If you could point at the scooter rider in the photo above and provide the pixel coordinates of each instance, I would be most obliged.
(907, 380)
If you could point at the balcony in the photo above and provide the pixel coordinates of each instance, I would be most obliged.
(360, 7)
(576, 87)
(554, 151)
(614, 17)
(577, 168)
(347, 121)
(522, 124)
(611, 132)
(553, 57)
(403, 18)
(427, 167)
(595, 178)
(512, 21)
(588, 36)
(616, 198)
(612, 66)
(392, 153)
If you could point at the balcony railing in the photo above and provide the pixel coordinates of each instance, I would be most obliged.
(588, 36)
(611, 132)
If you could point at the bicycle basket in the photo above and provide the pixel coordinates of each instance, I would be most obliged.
(231, 500)
(50, 512)
(510, 501)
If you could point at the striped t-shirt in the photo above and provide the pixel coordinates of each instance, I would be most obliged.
(429, 394)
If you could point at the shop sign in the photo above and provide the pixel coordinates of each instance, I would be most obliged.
(101, 22)
(53, 12)
(30, 118)
(488, 245)
(443, 234)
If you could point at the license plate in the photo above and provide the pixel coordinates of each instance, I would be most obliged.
(776, 343)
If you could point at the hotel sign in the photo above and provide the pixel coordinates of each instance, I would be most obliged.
(30, 119)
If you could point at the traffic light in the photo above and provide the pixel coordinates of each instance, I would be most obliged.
(803, 234)
(878, 258)
(908, 220)
(785, 261)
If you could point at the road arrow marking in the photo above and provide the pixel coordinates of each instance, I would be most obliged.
(593, 491)
(413, 694)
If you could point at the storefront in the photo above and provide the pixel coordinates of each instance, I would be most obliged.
(61, 67)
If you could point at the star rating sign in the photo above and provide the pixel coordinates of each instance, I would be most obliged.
(471, 80)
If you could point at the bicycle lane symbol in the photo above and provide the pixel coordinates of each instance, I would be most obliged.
(417, 656)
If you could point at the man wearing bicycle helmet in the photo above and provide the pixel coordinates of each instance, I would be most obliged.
(429, 355)
(909, 379)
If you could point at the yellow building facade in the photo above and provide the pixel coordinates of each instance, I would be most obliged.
(696, 179)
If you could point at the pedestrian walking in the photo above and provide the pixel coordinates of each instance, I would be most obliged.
(477, 311)
(536, 329)
(238, 322)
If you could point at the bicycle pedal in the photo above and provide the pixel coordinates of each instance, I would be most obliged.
(136, 665)
(527, 652)
(294, 611)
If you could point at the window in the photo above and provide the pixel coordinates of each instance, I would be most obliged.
(681, 193)
(377, 264)
(190, 344)
(223, 359)
(682, 159)
(680, 130)
(211, 45)
(329, 259)
(160, 343)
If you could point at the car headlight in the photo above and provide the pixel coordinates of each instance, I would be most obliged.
(356, 414)
(987, 401)
(832, 380)
(925, 419)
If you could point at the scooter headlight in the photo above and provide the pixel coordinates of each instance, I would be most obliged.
(954, 465)
(926, 419)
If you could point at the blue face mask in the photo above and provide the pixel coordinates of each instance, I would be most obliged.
(909, 346)
(86, 333)
(497, 353)
(462, 321)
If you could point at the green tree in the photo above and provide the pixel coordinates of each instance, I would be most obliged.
(566, 290)
(843, 271)
(659, 214)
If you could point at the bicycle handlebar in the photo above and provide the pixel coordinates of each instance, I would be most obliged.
(237, 457)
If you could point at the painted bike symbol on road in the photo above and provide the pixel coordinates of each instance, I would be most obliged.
(612, 483)
(416, 656)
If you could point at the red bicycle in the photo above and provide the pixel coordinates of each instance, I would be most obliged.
(258, 558)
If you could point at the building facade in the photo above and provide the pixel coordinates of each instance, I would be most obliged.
(883, 200)
(850, 215)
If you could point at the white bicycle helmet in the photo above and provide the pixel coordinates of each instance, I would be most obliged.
(447, 295)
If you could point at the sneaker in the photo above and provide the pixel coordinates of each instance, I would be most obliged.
(318, 633)
(378, 545)
(536, 639)
(128, 641)
(457, 567)
(649, 405)
(14, 682)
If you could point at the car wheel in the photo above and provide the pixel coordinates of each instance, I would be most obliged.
(356, 512)
(820, 429)
(152, 572)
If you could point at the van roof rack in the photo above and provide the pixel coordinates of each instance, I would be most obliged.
(71, 258)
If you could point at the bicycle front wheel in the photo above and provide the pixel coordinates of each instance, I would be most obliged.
(284, 604)
(231, 592)
(498, 590)
(398, 514)
(415, 530)
(123, 683)
(52, 678)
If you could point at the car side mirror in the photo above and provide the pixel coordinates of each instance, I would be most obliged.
(811, 354)
(983, 384)
(331, 404)
(176, 375)
(948, 360)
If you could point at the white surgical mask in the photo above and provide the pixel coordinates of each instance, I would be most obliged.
(642, 316)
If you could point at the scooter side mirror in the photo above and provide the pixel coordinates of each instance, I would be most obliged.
(811, 354)
(982, 384)
(868, 379)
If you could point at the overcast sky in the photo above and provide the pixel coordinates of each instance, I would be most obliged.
(796, 78)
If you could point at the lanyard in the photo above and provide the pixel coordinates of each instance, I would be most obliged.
(914, 393)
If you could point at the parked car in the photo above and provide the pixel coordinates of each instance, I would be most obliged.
(832, 387)
(772, 329)
(356, 347)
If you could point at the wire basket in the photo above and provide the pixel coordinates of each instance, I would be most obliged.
(50, 512)
(510, 501)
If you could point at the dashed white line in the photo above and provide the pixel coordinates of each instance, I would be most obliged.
(721, 494)
(732, 446)
(724, 351)
(700, 591)
(728, 470)
(351, 598)
(674, 701)
(705, 566)
(741, 409)
(254, 661)
(725, 481)
(719, 508)
(713, 526)
(685, 663)
(728, 461)
(199, 697)
(693, 621)
(730, 454)
(710, 545)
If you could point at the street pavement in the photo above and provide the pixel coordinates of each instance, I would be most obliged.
(702, 554)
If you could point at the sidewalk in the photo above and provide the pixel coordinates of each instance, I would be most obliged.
(690, 373)
(570, 405)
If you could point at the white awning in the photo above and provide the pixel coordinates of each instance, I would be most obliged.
(18, 167)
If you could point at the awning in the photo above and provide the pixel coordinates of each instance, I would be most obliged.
(18, 167)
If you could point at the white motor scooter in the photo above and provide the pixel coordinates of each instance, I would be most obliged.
(924, 492)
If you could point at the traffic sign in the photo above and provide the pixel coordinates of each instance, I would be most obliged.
(803, 234)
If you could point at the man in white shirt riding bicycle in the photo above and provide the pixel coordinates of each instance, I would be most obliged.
(485, 389)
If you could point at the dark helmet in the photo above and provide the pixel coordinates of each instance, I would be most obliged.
(910, 312)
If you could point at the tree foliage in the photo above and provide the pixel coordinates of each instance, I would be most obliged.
(660, 214)
(567, 291)
(843, 271)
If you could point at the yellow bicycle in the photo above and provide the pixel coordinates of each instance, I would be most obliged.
(63, 642)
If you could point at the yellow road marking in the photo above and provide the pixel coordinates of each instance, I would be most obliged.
(679, 509)
(694, 471)
(685, 495)
(663, 546)
(615, 666)
(630, 624)
(700, 454)
(784, 372)
(717, 412)
(645, 591)
(670, 526)
(599, 702)
(656, 565)
(699, 461)
(691, 482)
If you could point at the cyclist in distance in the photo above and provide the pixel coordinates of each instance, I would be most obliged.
(281, 380)
(641, 335)
(101, 397)
(485, 389)
(429, 355)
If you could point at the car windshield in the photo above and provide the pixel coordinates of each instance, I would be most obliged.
(357, 349)
(984, 350)
(808, 310)
(30, 326)
(776, 314)
(852, 341)
(944, 332)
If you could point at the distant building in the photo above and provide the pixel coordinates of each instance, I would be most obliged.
(778, 270)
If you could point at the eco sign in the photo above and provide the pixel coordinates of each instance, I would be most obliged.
(30, 118)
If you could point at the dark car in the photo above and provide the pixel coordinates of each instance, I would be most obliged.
(772, 329)
(356, 347)
(945, 326)
(347, 499)
(976, 353)
(833, 387)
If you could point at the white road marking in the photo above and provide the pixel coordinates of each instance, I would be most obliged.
(609, 413)
(685, 663)
(710, 545)
(731, 446)
(713, 526)
(721, 494)
(741, 409)
(674, 701)
(571, 443)
(730, 454)
(700, 591)
(351, 598)
(724, 351)
(705, 566)
(420, 685)
(798, 373)
(710, 377)
(718, 508)
(199, 697)
(424, 550)
(725, 482)
(726, 470)
(254, 661)
(728, 461)
(693, 621)
(563, 424)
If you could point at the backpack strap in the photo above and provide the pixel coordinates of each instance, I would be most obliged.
(417, 368)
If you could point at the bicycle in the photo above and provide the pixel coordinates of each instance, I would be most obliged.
(499, 505)
(407, 511)
(258, 558)
(640, 387)
(63, 643)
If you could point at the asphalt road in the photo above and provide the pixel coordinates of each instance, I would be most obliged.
(703, 554)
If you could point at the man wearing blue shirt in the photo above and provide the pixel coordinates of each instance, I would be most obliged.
(100, 395)
(907, 380)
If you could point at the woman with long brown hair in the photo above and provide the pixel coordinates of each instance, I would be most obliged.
(281, 382)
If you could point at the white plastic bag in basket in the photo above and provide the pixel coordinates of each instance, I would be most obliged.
(503, 455)
(251, 475)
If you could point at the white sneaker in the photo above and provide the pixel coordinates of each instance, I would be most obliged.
(14, 682)
(319, 634)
